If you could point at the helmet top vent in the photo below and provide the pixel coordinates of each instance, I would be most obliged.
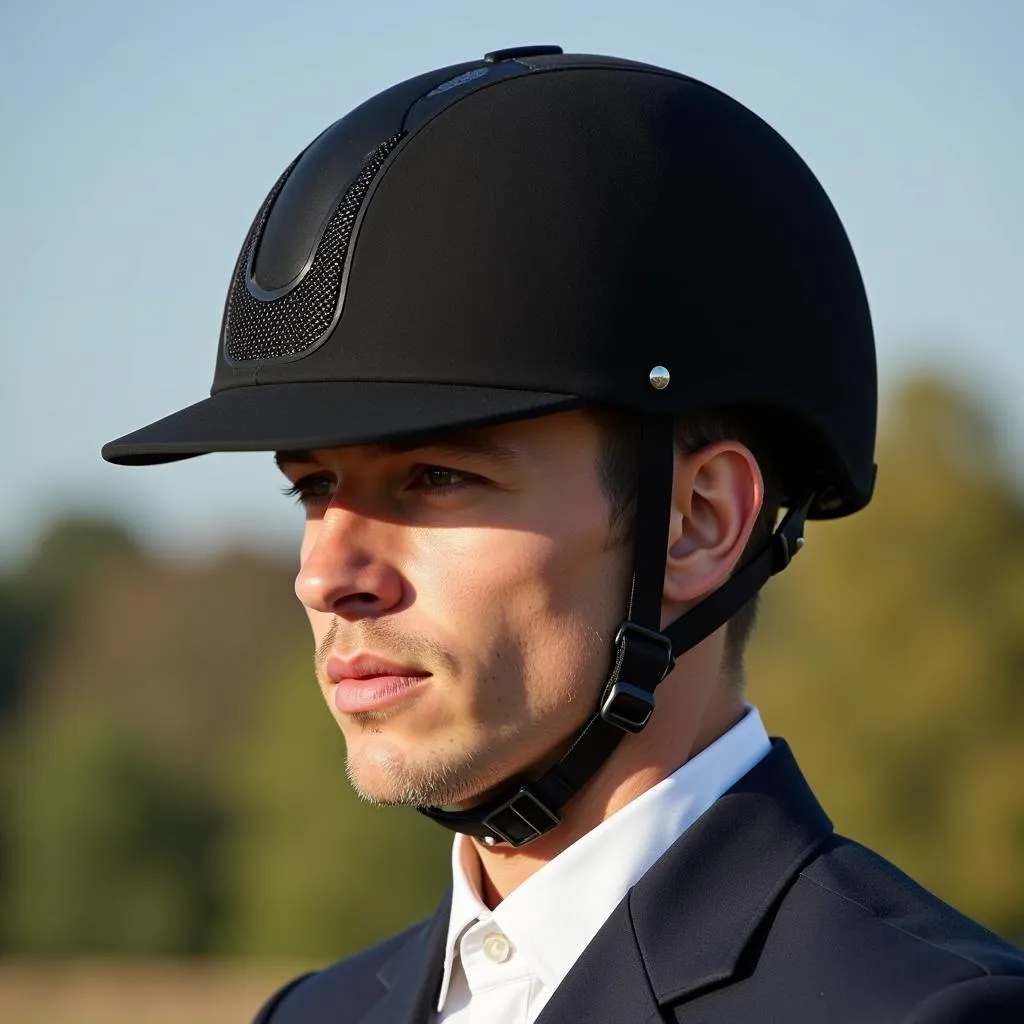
(291, 321)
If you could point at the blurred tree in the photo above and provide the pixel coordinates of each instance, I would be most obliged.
(174, 647)
(68, 556)
(892, 656)
(157, 661)
(107, 846)
(64, 563)
(35, 597)
(20, 625)
(310, 871)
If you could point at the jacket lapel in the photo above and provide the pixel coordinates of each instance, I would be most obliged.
(412, 975)
(697, 909)
(684, 926)
(608, 984)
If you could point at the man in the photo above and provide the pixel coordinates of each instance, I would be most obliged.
(542, 343)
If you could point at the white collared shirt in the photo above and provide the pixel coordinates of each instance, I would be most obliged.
(501, 966)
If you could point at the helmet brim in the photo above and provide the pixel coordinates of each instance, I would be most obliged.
(326, 414)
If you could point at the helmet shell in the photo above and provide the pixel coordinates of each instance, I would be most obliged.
(538, 233)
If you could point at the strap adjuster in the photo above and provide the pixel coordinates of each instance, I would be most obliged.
(522, 818)
(627, 707)
(644, 656)
(789, 537)
(647, 643)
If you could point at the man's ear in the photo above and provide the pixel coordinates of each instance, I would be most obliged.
(717, 494)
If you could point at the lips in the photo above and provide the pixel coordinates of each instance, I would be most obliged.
(366, 682)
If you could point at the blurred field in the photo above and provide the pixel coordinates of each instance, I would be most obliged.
(155, 992)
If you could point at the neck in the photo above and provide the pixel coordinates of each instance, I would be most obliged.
(680, 728)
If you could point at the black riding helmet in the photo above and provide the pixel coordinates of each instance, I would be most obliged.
(535, 232)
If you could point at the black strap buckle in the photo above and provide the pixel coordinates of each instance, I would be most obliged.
(627, 707)
(522, 818)
(653, 645)
(642, 655)
(789, 538)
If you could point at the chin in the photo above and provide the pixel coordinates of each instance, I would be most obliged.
(382, 774)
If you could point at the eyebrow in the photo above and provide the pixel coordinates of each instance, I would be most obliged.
(449, 444)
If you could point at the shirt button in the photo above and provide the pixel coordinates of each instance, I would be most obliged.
(498, 948)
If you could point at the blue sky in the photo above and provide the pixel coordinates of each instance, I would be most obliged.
(139, 139)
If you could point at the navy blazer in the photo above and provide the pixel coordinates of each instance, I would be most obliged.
(759, 913)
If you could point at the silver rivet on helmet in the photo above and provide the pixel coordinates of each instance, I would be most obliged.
(490, 841)
(660, 378)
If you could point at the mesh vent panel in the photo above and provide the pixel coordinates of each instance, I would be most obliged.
(288, 325)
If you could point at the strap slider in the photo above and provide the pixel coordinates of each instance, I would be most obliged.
(789, 537)
(522, 818)
(782, 555)
(646, 657)
(627, 707)
(633, 642)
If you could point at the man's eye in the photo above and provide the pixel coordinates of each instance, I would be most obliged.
(310, 490)
(438, 478)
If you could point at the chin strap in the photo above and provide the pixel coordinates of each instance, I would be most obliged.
(644, 654)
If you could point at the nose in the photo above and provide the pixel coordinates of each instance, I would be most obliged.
(344, 568)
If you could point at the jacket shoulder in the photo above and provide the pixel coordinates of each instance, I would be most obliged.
(899, 909)
(344, 991)
(852, 939)
(895, 951)
(985, 1000)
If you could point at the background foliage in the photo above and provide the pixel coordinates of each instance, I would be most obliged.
(170, 783)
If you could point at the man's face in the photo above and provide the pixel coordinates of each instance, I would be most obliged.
(463, 598)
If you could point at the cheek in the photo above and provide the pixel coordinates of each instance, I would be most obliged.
(578, 599)
(469, 582)
(532, 603)
(569, 627)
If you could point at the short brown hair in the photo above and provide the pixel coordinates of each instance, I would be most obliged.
(617, 468)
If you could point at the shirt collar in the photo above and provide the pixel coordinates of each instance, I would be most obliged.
(582, 886)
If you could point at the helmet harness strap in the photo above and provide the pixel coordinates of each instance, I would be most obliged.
(644, 653)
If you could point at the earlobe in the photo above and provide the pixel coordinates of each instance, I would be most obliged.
(717, 495)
